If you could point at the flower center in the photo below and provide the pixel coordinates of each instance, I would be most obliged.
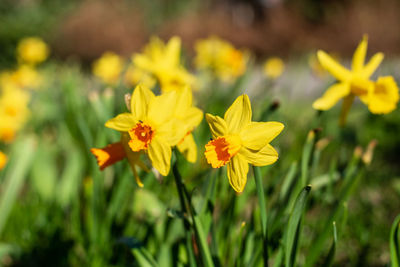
(221, 150)
(141, 136)
(360, 86)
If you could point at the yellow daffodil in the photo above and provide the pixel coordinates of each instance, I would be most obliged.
(273, 67)
(163, 62)
(108, 67)
(151, 126)
(32, 51)
(115, 152)
(3, 160)
(13, 112)
(190, 117)
(221, 57)
(380, 96)
(23, 77)
(26, 77)
(135, 76)
(237, 141)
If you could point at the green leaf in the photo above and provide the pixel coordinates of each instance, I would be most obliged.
(288, 181)
(395, 243)
(143, 257)
(44, 172)
(68, 187)
(331, 255)
(294, 227)
(202, 242)
(20, 161)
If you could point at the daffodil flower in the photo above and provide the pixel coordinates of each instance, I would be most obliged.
(13, 111)
(273, 67)
(151, 126)
(190, 117)
(3, 160)
(118, 151)
(380, 97)
(108, 67)
(237, 141)
(32, 50)
(221, 57)
(163, 62)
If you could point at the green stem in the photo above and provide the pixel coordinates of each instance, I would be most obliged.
(184, 209)
(263, 212)
(187, 208)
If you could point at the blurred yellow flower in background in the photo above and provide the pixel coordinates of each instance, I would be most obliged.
(381, 97)
(151, 126)
(26, 77)
(135, 76)
(164, 63)
(273, 67)
(3, 160)
(32, 50)
(220, 57)
(13, 112)
(237, 141)
(108, 68)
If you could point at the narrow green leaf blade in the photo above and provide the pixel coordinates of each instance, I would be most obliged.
(395, 243)
(293, 229)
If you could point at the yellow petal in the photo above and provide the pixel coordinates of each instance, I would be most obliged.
(142, 62)
(123, 122)
(160, 155)
(217, 125)
(359, 55)
(172, 131)
(162, 107)
(383, 99)
(140, 100)
(334, 68)
(265, 156)
(238, 114)
(184, 101)
(372, 65)
(193, 117)
(332, 96)
(173, 50)
(237, 172)
(3, 160)
(188, 148)
(258, 134)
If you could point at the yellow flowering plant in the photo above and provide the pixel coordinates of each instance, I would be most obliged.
(151, 133)
(152, 126)
(163, 62)
(14, 111)
(3, 160)
(381, 96)
(108, 68)
(238, 142)
(32, 51)
(273, 67)
(221, 57)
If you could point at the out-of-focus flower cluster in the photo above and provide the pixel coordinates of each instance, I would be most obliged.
(14, 88)
(221, 58)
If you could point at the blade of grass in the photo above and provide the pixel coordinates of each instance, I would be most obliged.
(294, 227)
(331, 255)
(21, 159)
(395, 243)
(263, 211)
